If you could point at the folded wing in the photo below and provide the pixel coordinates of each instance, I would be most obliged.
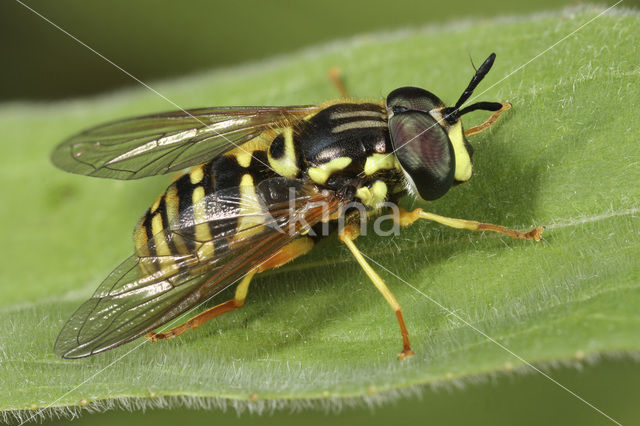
(145, 292)
(164, 143)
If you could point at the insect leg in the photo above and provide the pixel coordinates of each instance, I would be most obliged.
(334, 75)
(209, 314)
(407, 218)
(285, 254)
(489, 122)
(347, 236)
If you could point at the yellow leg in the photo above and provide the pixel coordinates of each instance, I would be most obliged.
(285, 254)
(347, 236)
(209, 314)
(407, 218)
(334, 75)
(489, 122)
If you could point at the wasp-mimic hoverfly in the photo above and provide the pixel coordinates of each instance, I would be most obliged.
(262, 179)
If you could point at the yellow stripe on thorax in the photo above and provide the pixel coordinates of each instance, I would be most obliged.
(321, 173)
(376, 162)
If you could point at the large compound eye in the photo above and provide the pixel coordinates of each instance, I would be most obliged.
(412, 99)
(424, 152)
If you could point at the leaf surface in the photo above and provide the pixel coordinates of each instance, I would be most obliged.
(566, 156)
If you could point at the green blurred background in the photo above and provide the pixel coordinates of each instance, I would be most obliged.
(163, 39)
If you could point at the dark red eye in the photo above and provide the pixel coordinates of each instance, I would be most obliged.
(413, 99)
(424, 152)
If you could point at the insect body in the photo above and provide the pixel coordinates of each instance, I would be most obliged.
(263, 181)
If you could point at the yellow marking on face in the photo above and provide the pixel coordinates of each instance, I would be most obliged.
(456, 136)
(321, 173)
(196, 175)
(251, 215)
(285, 166)
(202, 231)
(377, 162)
(463, 162)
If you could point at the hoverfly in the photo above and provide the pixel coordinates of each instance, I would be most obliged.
(261, 179)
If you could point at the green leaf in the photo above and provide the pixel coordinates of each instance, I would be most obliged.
(566, 156)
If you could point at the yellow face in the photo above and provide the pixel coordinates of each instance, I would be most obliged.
(463, 160)
(464, 167)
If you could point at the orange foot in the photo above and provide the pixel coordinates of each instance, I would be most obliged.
(406, 353)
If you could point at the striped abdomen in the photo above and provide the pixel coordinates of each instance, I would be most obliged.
(181, 206)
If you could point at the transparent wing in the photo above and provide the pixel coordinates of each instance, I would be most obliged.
(163, 143)
(146, 292)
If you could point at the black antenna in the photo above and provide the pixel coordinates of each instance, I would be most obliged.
(477, 78)
(485, 106)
